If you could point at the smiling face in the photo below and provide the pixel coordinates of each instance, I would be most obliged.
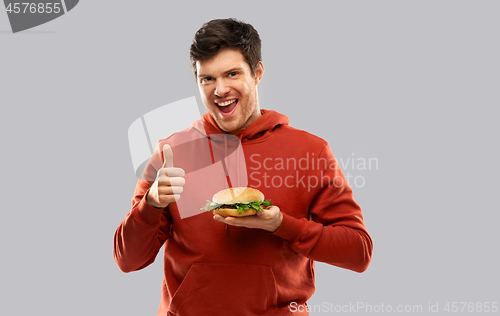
(229, 90)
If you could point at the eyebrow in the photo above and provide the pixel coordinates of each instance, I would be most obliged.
(234, 69)
(240, 69)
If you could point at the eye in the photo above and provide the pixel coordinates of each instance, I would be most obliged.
(233, 74)
(206, 80)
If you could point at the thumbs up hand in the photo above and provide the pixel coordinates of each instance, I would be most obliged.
(169, 182)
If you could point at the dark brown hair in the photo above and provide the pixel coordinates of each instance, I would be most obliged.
(220, 34)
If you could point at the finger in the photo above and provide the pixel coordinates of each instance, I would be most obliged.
(162, 177)
(164, 180)
(167, 199)
(165, 173)
(219, 218)
(176, 181)
(247, 221)
(168, 157)
(270, 212)
(168, 190)
(266, 214)
(261, 214)
(175, 172)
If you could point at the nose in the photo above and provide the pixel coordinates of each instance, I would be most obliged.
(221, 88)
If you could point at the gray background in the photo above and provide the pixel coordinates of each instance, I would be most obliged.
(411, 83)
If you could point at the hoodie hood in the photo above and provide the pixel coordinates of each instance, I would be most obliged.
(229, 151)
(261, 128)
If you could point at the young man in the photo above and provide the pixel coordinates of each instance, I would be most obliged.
(256, 265)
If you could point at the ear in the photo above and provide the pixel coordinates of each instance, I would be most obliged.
(259, 72)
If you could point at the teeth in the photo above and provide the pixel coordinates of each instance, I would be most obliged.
(226, 103)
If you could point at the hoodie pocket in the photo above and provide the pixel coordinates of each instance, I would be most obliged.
(226, 289)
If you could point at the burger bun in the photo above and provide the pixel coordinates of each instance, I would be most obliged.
(234, 212)
(238, 195)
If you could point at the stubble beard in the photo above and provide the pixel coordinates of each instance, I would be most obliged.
(243, 117)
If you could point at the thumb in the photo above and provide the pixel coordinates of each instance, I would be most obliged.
(168, 157)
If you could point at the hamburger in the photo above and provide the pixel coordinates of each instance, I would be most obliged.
(237, 202)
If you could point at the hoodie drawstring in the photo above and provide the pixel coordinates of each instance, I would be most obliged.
(226, 169)
(228, 182)
(240, 137)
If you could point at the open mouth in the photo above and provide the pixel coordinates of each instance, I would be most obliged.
(227, 107)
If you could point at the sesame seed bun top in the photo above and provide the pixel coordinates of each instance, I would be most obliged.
(238, 195)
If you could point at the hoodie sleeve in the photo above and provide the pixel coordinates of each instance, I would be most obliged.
(335, 233)
(145, 228)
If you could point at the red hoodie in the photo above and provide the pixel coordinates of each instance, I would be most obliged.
(211, 268)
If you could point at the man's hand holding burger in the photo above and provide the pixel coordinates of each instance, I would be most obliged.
(169, 182)
(245, 207)
(270, 219)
